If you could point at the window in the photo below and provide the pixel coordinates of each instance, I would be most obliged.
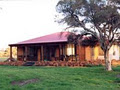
(70, 49)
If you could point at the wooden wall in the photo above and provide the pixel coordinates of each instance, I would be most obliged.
(20, 53)
(57, 52)
(80, 51)
(92, 53)
(88, 55)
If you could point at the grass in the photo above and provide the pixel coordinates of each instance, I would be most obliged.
(59, 78)
(3, 59)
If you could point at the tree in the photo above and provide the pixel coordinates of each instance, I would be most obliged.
(99, 18)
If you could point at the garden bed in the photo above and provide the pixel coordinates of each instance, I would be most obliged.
(57, 63)
(63, 63)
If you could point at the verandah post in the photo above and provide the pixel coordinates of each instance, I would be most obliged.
(75, 52)
(25, 53)
(10, 52)
(38, 52)
(60, 51)
(42, 53)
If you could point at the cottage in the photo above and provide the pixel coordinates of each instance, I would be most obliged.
(55, 47)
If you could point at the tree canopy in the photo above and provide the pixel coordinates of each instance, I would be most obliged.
(99, 18)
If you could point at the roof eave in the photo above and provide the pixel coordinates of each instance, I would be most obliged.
(36, 43)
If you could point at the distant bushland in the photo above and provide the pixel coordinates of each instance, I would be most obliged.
(6, 53)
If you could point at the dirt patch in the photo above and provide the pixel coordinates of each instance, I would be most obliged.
(24, 82)
(118, 76)
(117, 80)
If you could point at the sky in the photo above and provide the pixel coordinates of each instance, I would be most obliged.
(25, 19)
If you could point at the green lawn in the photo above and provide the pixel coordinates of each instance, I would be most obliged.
(59, 78)
(3, 59)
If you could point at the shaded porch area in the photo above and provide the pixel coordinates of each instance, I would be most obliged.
(48, 52)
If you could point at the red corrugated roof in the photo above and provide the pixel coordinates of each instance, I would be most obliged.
(51, 38)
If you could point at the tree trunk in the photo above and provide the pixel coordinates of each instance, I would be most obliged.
(108, 66)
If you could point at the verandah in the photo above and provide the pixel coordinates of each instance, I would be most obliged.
(46, 52)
